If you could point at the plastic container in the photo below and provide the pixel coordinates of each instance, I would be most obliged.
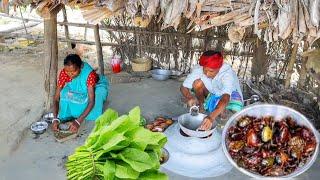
(116, 64)
(116, 68)
(278, 112)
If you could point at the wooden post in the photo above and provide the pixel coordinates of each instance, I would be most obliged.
(99, 48)
(85, 32)
(24, 24)
(51, 60)
(66, 28)
(51, 54)
(291, 64)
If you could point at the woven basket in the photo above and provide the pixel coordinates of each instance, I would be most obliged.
(141, 64)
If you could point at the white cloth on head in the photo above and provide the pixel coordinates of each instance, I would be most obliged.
(225, 82)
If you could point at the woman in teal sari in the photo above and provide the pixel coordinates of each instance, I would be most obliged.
(80, 93)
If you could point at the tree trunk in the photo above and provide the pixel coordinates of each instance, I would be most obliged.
(291, 64)
(51, 60)
(99, 49)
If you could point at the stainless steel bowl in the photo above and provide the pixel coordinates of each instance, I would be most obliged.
(39, 127)
(164, 156)
(48, 117)
(189, 124)
(278, 112)
(160, 74)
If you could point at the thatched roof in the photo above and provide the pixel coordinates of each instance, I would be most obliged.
(271, 19)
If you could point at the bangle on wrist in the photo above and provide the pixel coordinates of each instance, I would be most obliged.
(77, 122)
(55, 119)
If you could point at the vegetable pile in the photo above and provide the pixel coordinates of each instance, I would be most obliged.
(118, 148)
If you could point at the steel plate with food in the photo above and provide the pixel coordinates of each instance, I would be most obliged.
(270, 141)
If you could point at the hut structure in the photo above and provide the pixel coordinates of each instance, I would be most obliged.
(272, 39)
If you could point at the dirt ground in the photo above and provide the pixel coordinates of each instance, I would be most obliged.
(21, 95)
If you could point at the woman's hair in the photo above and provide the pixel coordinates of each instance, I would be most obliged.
(73, 59)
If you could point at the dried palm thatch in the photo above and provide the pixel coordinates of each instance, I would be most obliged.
(236, 33)
(272, 20)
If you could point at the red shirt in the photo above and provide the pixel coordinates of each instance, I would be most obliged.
(64, 78)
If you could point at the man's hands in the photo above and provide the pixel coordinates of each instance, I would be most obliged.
(206, 124)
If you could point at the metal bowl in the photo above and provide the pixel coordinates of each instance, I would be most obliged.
(278, 112)
(190, 122)
(189, 125)
(164, 156)
(48, 117)
(160, 74)
(39, 127)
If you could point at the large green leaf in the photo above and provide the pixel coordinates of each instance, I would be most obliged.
(160, 144)
(134, 116)
(108, 169)
(113, 140)
(105, 119)
(106, 133)
(137, 159)
(153, 175)
(142, 137)
(124, 171)
(155, 158)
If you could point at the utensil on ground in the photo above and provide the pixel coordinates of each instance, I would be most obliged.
(48, 117)
(160, 74)
(39, 127)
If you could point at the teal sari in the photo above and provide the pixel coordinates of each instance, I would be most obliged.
(74, 96)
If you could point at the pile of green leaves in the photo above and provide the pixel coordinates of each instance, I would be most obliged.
(118, 148)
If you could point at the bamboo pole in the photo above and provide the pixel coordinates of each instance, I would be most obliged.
(24, 24)
(291, 64)
(10, 30)
(66, 28)
(134, 30)
(99, 49)
(85, 32)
